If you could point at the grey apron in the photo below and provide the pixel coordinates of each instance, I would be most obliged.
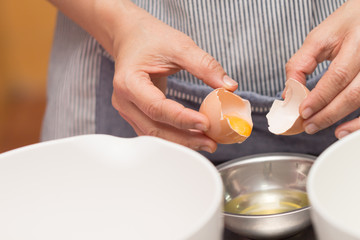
(108, 121)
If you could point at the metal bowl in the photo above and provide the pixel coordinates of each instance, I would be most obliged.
(260, 174)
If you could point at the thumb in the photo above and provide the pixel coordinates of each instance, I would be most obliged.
(203, 66)
(313, 51)
(305, 60)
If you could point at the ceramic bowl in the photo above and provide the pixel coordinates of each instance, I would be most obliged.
(104, 187)
(334, 190)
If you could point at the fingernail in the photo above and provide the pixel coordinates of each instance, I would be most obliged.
(201, 127)
(311, 128)
(229, 82)
(306, 113)
(342, 134)
(206, 149)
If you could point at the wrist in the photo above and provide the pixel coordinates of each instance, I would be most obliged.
(113, 21)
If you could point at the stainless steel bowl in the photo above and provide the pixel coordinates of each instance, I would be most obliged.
(266, 172)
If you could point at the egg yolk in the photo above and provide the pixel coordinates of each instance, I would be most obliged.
(239, 125)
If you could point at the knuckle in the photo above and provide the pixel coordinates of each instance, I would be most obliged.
(119, 84)
(120, 92)
(319, 44)
(328, 119)
(186, 44)
(315, 41)
(319, 41)
(178, 117)
(324, 43)
(322, 99)
(353, 96)
(340, 75)
(293, 65)
(300, 63)
(118, 107)
(154, 110)
(209, 62)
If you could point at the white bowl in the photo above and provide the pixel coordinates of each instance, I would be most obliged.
(104, 187)
(334, 190)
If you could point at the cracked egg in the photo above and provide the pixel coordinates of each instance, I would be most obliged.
(229, 116)
(284, 117)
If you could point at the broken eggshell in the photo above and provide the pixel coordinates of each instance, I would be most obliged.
(284, 117)
(220, 103)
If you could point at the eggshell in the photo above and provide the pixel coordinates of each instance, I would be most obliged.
(284, 117)
(221, 102)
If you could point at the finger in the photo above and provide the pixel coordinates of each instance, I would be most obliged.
(141, 91)
(344, 104)
(341, 72)
(146, 126)
(347, 128)
(203, 66)
(306, 59)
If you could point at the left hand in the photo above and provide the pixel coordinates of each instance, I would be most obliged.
(337, 94)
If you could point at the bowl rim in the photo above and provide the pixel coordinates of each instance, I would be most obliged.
(312, 193)
(264, 157)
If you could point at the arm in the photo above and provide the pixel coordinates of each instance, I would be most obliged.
(146, 51)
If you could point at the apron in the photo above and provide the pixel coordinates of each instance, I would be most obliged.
(252, 40)
(108, 121)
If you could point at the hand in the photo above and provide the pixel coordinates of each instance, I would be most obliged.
(144, 57)
(146, 51)
(337, 94)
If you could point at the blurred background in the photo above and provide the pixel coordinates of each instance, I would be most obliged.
(26, 32)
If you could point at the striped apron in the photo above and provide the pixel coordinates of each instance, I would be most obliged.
(251, 39)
